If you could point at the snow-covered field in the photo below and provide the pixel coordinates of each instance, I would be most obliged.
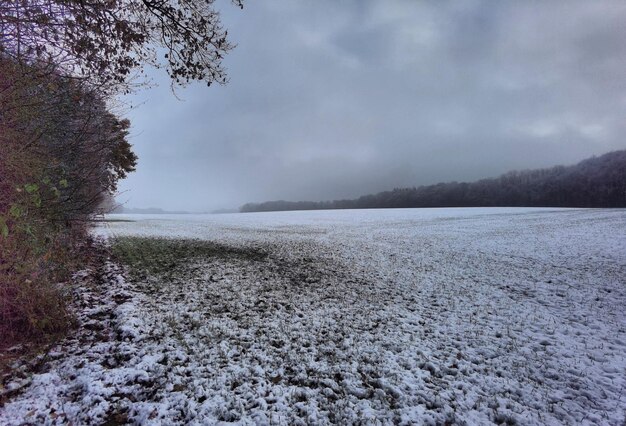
(411, 316)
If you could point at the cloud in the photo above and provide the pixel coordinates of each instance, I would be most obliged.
(337, 99)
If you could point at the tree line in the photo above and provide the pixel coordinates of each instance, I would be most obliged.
(594, 182)
(64, 145)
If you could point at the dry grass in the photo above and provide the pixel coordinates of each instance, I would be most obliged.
(34, 286)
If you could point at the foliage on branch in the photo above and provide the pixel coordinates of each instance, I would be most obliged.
(106, 41)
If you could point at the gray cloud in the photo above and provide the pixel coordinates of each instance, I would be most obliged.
(337, 99)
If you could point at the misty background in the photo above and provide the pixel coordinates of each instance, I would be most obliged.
(330, 100)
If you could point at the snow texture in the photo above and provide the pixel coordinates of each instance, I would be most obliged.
(411, 316)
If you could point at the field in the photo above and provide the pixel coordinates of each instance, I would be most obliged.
(408, 316)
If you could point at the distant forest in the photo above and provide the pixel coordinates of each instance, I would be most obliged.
(594, 182)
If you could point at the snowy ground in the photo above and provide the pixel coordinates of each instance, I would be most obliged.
(434, 316)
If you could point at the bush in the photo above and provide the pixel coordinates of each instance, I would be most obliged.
(61, 153)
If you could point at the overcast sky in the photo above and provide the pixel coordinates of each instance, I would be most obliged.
(335, 99)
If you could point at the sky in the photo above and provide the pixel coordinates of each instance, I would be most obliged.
(336, 99)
